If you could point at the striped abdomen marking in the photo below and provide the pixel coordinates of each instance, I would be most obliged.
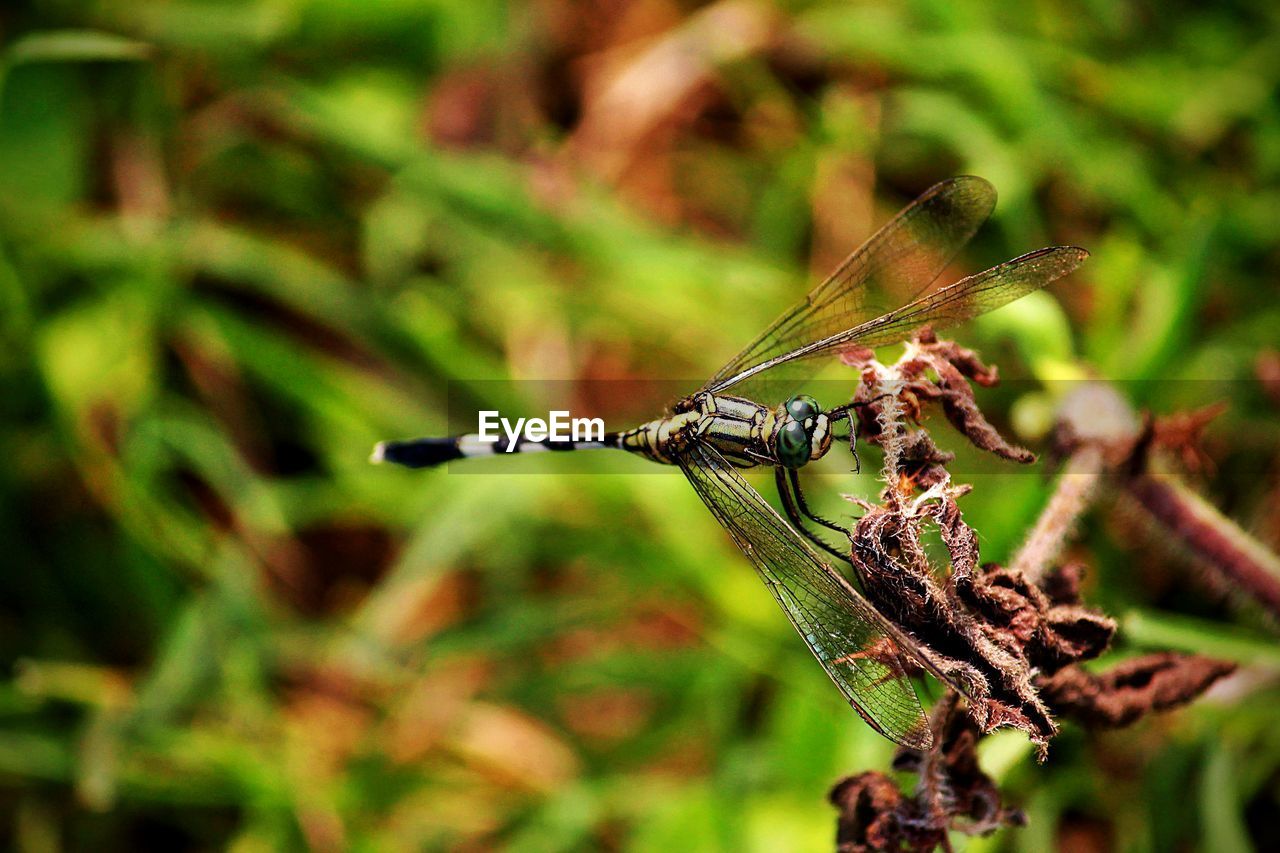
(429, 452)
(662, 439)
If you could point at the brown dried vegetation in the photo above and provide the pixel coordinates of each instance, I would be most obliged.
(1008, 642)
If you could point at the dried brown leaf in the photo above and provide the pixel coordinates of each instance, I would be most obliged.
(1130, 690)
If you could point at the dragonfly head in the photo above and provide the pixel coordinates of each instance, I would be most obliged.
(803, 434)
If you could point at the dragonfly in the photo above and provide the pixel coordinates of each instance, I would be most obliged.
(721, 428)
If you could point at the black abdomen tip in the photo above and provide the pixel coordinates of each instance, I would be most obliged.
(418, 453)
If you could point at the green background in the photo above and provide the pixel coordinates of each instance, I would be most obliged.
(241, 242)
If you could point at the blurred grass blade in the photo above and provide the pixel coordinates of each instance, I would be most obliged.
(1180, 633)
(76, 46)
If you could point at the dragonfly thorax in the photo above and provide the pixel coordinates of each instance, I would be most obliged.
(743, 431)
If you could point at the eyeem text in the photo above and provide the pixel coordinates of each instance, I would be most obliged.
(558, 426)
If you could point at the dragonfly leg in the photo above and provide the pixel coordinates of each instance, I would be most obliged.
(794, 478)
(797, 509)
(847, 412)
(853, 442)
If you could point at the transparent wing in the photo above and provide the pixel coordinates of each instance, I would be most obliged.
(893, 267)
(857, 647)
(948, 306)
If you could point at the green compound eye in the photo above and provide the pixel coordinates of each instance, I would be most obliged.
(802, 407)
(792, 445)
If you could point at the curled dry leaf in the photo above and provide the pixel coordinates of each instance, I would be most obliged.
(954, 794)
(1130, 690)
(908, 381)
(982, 660)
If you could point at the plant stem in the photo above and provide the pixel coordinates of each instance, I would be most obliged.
(1071, 497)
(1213, 537)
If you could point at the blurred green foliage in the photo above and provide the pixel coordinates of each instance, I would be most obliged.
(242, 241)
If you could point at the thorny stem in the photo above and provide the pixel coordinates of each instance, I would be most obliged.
(889, 415)
(1213, 537)
(1077, 485)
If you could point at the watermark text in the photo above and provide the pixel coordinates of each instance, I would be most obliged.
(557, 426)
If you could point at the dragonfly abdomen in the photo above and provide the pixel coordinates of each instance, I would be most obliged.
(429, 452)
(738, 428)
(661, 440)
